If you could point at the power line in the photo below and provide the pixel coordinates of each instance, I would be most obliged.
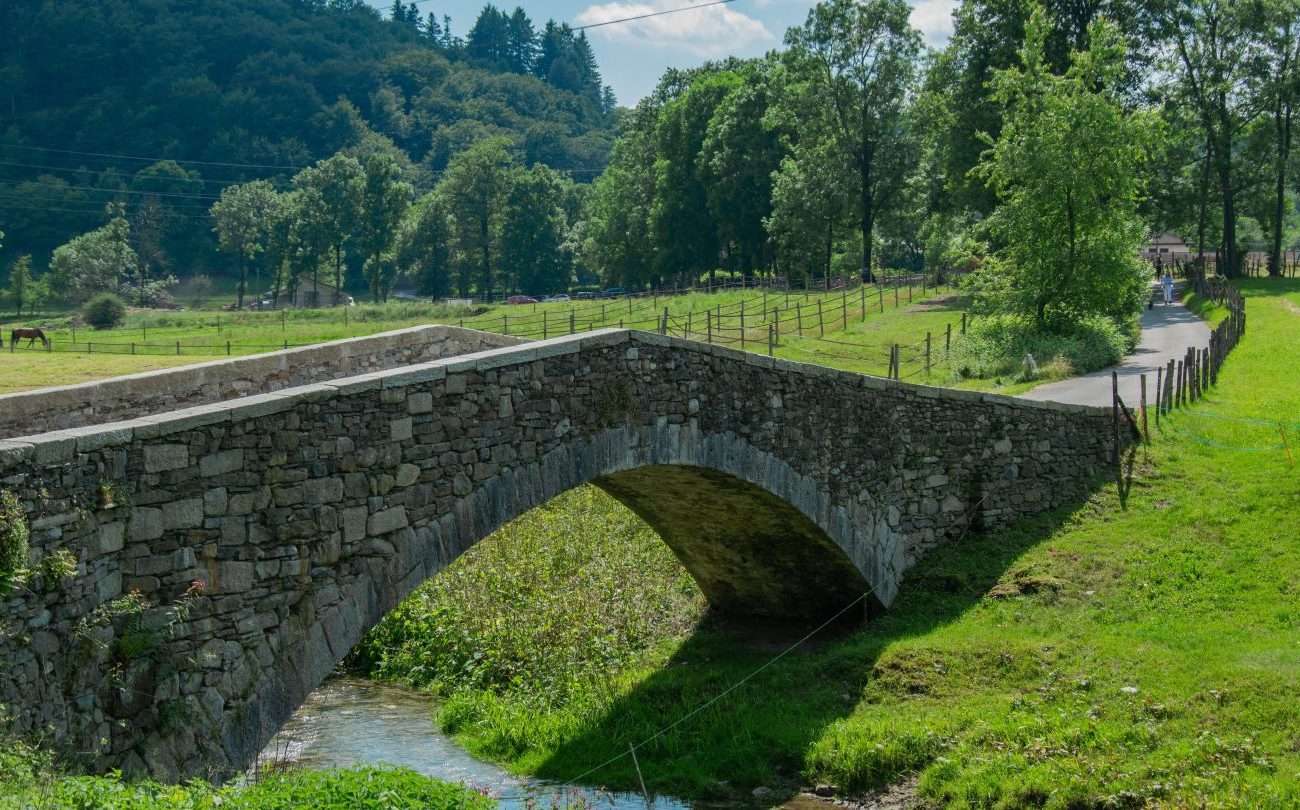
(158, 159)
(101, 190)
(652, 14)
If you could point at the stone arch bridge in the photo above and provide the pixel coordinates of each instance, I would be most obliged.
(787, 490)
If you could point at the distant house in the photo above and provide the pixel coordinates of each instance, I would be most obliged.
(1166, 247)
(311, 295)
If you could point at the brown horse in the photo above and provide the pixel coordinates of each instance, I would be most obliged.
(30, 335)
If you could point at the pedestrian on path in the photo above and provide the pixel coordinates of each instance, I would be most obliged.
(1167, 286)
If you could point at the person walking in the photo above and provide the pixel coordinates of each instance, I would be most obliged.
(1167, 286)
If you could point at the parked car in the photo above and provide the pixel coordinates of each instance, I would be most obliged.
(614, 292)
(559, 299)
(585, 295)
(521, 299)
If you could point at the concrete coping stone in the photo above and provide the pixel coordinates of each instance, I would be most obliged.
(14, 452)
(80, 391)
(57, 446)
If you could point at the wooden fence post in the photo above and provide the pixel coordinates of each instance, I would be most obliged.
(1159, 382)
(821, 327)
(708, 317)
(927, 354)
(947, 340)
(1146, 434)
(1114, 413)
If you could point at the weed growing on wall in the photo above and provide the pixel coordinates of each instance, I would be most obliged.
(14, 536)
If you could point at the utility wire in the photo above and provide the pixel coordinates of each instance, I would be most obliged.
(652, 14)
(153, 159)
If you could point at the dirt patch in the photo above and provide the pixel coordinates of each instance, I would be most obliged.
(1291, 306)
(1023, 583)
(948, 301)
(898, 796)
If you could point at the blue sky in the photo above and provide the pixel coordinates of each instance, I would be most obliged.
(633, 55)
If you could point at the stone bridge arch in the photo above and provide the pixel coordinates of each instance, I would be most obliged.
(309, 513)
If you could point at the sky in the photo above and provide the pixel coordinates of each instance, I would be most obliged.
(633, 55)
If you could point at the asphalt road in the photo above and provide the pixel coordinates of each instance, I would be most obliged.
(1167, 331)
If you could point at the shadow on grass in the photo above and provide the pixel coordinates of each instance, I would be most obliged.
(759, 733)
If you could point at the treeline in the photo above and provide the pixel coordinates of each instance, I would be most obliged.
(852, 149)
(490, 225)
(857, 147)
(239, 90)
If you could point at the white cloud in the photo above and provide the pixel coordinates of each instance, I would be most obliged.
(710, 32)
(933, 18)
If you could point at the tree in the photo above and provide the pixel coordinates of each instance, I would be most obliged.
(330, 209)
(1214, 46)
(99, 261)
(860, 58)
(521, 42)
(811, 200)
(147, 234)
(1067, 170)
(473, 186)
(20, 284)
(1280, 86)
(489, 38)
(742, 150)
(533, 231)
(680, 217)
(384, 200)
(423, 246)
(619, 245)
(242, 219)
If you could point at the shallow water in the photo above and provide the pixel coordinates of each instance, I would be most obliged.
(357, 722)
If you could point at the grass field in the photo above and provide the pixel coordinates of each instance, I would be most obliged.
(1140, 649)
(819, 327)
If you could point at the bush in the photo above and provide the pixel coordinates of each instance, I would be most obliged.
(29, 777)
(104, 311)
(996, 345)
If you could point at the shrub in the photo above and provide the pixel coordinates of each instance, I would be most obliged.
(104, 311)
(13, 540)
(995, 346)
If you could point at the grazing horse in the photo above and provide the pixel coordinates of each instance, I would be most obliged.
(30, 335)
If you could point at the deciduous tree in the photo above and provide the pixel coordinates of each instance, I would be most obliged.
(1067, 171)
(861, 59)
(242, 221)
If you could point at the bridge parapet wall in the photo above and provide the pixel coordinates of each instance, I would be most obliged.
(133, 395)
(309, 513)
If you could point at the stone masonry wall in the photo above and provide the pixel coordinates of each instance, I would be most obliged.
(130, 396)
(308, 513)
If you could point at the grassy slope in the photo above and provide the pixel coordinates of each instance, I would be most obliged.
(1113, 655)
(203, 335)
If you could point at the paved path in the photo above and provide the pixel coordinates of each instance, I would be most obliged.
(1167, 331)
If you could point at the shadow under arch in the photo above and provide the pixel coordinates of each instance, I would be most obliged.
(753, 555)
(762, 541)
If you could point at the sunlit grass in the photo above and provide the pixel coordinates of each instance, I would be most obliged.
(1125, 653)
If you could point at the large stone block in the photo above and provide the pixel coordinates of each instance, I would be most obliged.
(162, 457)
(220, 463)
(146, 524)
(389, 520)
(186, 514)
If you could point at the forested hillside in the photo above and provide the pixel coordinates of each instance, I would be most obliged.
(97, 98)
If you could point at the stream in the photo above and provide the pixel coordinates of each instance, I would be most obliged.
(350, 721)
